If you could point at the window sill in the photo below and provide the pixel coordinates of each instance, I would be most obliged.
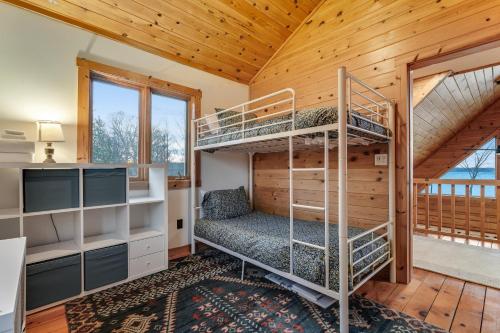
(173, 184)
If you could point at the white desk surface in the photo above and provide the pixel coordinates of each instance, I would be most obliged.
(11, 268)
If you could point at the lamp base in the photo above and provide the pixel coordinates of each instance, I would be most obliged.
(49, 151)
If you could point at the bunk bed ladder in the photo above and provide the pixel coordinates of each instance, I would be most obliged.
(324, 209)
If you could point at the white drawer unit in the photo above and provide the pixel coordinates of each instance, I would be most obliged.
(146, 246)
(148, 263)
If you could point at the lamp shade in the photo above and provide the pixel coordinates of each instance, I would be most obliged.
(50, 131)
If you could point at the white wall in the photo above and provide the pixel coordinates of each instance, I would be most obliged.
(38, 81)
(220, 170)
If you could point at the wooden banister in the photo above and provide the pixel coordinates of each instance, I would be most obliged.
(485, 182)
(469, 214)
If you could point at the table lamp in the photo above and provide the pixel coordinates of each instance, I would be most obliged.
(50, 132)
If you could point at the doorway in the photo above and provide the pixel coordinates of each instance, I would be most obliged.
(455, 114)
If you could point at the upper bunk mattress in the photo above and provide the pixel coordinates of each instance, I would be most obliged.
(303, 119)
(265, 238)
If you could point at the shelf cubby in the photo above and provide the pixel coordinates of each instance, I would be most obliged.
(106, 226)
(9, 213)
(10, 228)
(9, 196)
(146, 220)
(155, 191)
(52, 235)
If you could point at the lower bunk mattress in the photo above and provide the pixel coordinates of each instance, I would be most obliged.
(265, 238)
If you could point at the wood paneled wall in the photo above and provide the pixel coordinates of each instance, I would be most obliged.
(367, 185)
(376, 40)
(371, 39)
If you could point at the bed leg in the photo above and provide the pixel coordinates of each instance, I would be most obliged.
(242, 270)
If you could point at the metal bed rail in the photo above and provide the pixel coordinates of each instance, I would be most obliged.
(207, 127)
(374, 106)
(368, 105)
(380, 251)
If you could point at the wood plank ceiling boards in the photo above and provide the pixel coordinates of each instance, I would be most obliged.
(452, 103)
(232, 39)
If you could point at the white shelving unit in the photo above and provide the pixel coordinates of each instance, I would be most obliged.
(140, 221)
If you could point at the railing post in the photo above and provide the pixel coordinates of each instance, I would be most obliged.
(426, 213)
(342, 202)
(483, 213)
(415, 205)
(452, 198)
(440, 210)
(467, 211)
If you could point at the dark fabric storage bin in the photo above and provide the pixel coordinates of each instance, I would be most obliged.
(105, 266)
(104, 186)
(53, 280)
(50, 189)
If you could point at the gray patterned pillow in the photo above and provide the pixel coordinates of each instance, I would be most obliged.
(225, 204)
(316, 117)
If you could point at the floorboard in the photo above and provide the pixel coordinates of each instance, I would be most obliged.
(469, 313)
(444, 307)
(421, 302)
(491, 314)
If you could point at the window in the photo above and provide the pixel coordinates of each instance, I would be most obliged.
(168, 133)
(480, 164)
(126, 117)
(115, 123)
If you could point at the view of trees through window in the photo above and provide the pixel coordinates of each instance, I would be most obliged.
(115, 127)
(168, 133)
(480, 164)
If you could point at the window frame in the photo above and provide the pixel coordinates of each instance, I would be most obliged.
(88, 71)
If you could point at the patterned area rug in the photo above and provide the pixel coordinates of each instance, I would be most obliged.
(204, 293)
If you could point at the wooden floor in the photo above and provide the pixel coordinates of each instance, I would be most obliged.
(446, 302)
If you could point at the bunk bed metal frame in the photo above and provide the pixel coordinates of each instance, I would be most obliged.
(378, 110)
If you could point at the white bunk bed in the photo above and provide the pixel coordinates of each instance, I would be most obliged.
(358, 104)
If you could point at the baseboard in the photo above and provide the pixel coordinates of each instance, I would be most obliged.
(179, 252)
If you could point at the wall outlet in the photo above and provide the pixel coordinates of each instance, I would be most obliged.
(179, 223)
(380, 159)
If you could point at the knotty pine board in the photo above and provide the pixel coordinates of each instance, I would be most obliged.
(367, 185)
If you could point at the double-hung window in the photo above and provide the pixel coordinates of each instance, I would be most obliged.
(126, 117)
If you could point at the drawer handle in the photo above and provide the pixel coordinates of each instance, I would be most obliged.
(148, 263)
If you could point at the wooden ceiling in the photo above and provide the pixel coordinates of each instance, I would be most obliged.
(452, 103)
(229, 38)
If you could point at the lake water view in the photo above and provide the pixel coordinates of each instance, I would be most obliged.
(462, 173)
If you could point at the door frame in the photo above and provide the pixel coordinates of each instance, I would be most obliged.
(404, 149)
